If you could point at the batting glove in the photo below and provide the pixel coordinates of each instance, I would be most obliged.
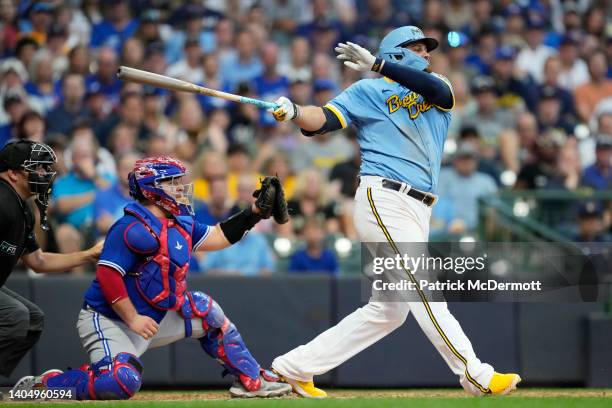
(355, 57)
(286, 110)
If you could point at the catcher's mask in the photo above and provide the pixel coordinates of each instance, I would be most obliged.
(37, 161)
(163, 181)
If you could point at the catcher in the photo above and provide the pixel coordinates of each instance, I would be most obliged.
(139, 299)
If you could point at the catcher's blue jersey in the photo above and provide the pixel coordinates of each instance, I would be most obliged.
(121, 254)
(400, 134)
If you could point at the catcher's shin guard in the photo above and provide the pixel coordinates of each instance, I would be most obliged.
(222, 340)
(92, 382)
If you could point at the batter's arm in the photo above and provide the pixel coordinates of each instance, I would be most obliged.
(312, 120)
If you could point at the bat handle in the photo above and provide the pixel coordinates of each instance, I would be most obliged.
(259, 103)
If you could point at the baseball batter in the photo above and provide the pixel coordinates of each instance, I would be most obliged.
(402, 121)
(139, 299)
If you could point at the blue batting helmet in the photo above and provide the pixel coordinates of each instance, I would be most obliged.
(144, 182)
(392, 47)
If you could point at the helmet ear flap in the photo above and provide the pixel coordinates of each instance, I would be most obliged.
(135, 190)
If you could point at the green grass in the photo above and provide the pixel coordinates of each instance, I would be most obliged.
(414, 398)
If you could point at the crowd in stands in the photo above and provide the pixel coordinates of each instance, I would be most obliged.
(532, 82)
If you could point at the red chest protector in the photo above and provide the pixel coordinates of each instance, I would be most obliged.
(162, 278)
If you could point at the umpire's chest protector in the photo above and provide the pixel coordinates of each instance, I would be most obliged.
(161, 279)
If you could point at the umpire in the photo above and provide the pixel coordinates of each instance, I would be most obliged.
(26, 171)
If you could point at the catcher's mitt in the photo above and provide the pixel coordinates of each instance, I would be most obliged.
(279, 211)
(266, 197)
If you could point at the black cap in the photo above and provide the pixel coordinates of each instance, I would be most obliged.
(154, 48)
(57, 31)
(14, 154)
(482, 84)
(549, 92)
(590, 209)
(191, 41)
(151, 16)
(11, 97)
(604, 142)
(570, 38)
(466, 150)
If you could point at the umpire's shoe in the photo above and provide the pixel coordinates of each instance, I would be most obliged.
(502, 384)
(30, 382)
(268, 385)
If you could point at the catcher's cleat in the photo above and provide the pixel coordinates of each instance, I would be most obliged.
(267, 385)
(30, 382)
(502, 384)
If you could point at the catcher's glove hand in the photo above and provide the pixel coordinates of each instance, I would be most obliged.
(266, 197)
(280, 211)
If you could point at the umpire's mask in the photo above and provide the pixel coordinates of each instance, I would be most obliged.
(37, 160)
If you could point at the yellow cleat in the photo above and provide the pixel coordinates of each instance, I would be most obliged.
(306, 389)
(502, 384)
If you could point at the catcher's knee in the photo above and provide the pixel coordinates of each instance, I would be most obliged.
(122, 381)
(200, 305)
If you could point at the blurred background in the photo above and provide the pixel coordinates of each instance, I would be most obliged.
(528, 155)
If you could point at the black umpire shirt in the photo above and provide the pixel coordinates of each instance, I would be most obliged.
(16, 230)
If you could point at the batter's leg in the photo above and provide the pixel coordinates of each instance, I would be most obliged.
(434, 318)
(359, 330)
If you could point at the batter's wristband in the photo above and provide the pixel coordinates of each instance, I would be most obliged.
(238, 224)
(296, 111)
(378, 64)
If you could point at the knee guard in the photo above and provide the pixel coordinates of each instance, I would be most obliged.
(222, 340)
(122, 381)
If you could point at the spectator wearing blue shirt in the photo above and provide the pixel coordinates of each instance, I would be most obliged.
(270, 85)
(462, 185)
(42, 90)
(109, 203)
(62, 117)
(15, 108)
(73, 195)
(213, 79)
(116, 28)
(244, 65)
(251, 256)
(192, 16)
(598, 176)
(315, 258)
(218, 206)
(105, 80)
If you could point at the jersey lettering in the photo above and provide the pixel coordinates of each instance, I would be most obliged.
(409, 102)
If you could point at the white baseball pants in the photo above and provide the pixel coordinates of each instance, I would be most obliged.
(381, 215)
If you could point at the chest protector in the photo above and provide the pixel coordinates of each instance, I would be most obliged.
(166, 244)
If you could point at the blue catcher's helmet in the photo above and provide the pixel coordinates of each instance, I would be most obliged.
(392, 49)
(145, 183)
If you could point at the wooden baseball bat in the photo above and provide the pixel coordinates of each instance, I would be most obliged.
(162, 81)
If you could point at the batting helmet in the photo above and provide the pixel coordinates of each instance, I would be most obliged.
(392, 47)
(145, 184)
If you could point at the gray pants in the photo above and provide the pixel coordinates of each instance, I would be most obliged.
(101, 336)
(21, 324)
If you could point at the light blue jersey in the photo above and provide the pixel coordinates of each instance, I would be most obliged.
(400, 134)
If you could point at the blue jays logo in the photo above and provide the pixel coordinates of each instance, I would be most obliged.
(409, 102)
